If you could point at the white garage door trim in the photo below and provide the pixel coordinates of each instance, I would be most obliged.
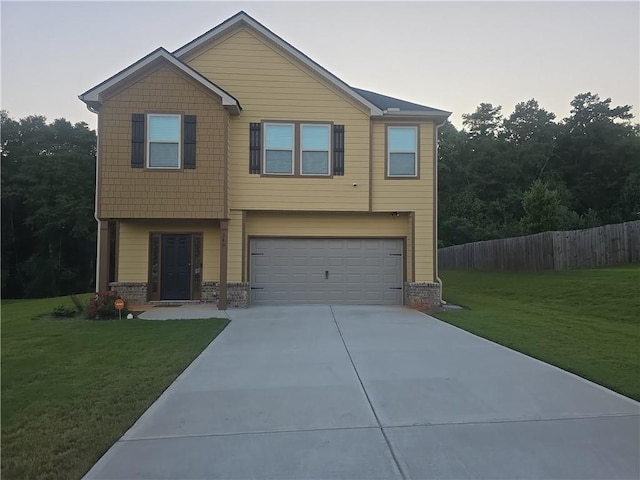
(300, 270)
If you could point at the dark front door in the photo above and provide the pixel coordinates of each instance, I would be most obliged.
(176, 267)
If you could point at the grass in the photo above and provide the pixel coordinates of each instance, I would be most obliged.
(583, 321)
(72, 387)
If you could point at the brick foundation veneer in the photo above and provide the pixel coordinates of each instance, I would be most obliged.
(134, 293)
(422, 293)
(237, 294)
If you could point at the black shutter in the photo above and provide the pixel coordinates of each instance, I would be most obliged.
(189, 136)
(255, 148)
(137, 140)
(338, 149)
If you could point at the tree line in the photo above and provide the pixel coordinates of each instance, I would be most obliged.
(528, 173)
(48, 224)
(498, 177)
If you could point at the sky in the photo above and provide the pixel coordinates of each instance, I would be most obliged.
(448, 55)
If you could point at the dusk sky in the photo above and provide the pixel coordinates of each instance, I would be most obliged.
(451, 55)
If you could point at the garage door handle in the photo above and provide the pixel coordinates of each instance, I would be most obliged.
(326, 274)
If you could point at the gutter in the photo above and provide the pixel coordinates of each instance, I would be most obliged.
(435, 233)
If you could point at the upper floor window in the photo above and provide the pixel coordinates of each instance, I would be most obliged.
(279, 148)
(402, 151)
(163, 141)
(297, 149)
(315, 146)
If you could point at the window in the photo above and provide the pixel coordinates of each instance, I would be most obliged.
(402, 148)
(278, 155)
(163, 141)
(315, 146)
(294, 149)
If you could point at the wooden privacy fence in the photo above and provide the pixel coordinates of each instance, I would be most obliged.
(594, 247)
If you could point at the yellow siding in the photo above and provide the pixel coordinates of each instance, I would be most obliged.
(271, 85)
(283, 224)
(133, 247)
(408, 195)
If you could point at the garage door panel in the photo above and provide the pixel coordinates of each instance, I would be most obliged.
(372, 261)
(372, 278)
(354, 261)
(392, 296)
(292, 271)
(317, 261)
(334, 261)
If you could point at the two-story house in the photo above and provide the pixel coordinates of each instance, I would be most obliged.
(237, 170)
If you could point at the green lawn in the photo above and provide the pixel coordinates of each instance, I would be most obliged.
(71, 388)
(584, 321)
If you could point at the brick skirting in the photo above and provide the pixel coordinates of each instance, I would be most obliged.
(237, 293)
(134, 293)
(422, 293)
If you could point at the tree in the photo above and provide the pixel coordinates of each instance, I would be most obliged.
(484, 122)
(48, 229)
(598, 149)
(528, 173)
(588, 109)
(529, 122)
(531, 134)
(546, 209)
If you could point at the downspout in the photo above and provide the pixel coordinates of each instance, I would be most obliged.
(435, 181)
(95, 200)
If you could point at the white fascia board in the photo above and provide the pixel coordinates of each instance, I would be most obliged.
(243, 17)
(93, 96)
(416, 113)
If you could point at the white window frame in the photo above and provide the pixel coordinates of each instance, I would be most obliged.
(148, 141)
(328, 150)
(414, 151)
(293, 148)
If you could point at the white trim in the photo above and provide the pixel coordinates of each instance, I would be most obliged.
(243, 17)
(415, 113)
(98, 246)
(147, 141)
(292, 150)
(328, 150)
(414, 151)
(93, 96)
(95, 208)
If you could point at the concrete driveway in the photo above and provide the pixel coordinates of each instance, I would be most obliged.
(321, 392)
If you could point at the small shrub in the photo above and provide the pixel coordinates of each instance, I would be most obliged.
(102, 306)
(64, 311)
(76, 301)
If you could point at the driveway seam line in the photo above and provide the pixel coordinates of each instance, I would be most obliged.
(519, 420)
(366, 394)
(308, 430)
(235, 434)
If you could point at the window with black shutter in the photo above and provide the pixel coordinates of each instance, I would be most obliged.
(338, 149)
(189, 141)
(158, 141)
(297, 149)
(137, 140)
(255, 148)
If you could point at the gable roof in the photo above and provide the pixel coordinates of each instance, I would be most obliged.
(93, 99)
(396, 106)
(242, 17)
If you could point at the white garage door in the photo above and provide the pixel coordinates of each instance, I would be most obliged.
(288, 271)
